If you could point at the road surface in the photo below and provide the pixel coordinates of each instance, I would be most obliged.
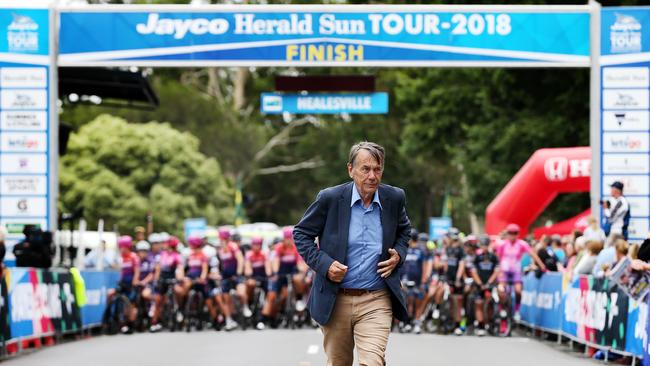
(292, 348)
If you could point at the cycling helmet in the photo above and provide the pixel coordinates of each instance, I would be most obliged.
(414, 234)
(235, 237)
(484, 240)
(513, 228)
(163, 237)
(224, 234)
(142, 245)
(194, 241)
(471, 239)
(453, 233)
(422, 237)
(287, 232)
(154, 238)
(257, 241)
(125, 241)
(173, 242)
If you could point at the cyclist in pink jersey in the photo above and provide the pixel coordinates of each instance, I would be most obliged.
(510, 251)
(168, 270)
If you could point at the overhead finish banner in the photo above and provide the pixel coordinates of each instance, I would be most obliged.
(325, 36)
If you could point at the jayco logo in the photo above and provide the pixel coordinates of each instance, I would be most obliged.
(559, 169)
(180, 27)
(625, 34)
(22, 34)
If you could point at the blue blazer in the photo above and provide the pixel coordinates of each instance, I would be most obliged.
(328, 219)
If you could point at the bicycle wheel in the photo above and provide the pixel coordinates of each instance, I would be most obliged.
(187, 311)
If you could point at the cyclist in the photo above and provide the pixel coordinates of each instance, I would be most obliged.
(147, 267)
(196, 273)
(452, 257)
(414, 273)
(257, 269)
(129, 275)
(284, 264)
(464, 274)
(510, 251)
(484, 273)
(231, 263)
(303, 279)
(168, 269)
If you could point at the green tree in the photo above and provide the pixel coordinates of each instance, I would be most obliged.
(118, 171)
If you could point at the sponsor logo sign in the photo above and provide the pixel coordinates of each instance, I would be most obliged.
(626, 99)
(23, 184)
(23, 99)
(23, 120)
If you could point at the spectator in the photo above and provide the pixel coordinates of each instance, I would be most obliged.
(571, 256)
(616, 211)
(109, 257)
(607, 257)
(643, 256)
(557, 244)
(593, 231)
(547, 255)
(588, 260)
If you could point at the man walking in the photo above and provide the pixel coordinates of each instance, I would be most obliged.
(363, 231)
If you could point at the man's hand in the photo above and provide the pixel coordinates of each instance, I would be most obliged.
(386, 267)
(337, 271)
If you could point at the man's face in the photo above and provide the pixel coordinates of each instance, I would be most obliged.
(615, 192)
(366, 173)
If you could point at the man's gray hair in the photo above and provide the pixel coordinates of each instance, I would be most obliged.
(375, 150)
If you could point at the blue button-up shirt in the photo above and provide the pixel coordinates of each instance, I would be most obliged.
(364, 244)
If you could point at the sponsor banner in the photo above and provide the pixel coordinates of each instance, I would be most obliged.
(25, 32)
(438, 226)
(15, 227)
(97, 284)
(368, 103)
(636, 337)
(595, 313)
(23, 99)
(23, 206)
(639, 205)
(541, 301)
(23, 142)
(23, 120)
(626, 99)
(41, 302)
(626, 142)
(626, 77)
(23, 185)
(334, 34)
(624, 30)
(639, 227)
(23, 77)
(626, 121)
(634, 184)
(5, 320)
(625, 164)
(195, 226)
(23, 163)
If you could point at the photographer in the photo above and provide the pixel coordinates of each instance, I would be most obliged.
(35, 250)
(617, 212)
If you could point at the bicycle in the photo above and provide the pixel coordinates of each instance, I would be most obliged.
(143, 320)
(194, 314)
(505, 316)
(439, 321)
(170, 311)
(115, 313)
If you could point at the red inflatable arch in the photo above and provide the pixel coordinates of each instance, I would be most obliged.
(547, 173)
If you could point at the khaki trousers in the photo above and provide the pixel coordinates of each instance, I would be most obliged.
(364, 321)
